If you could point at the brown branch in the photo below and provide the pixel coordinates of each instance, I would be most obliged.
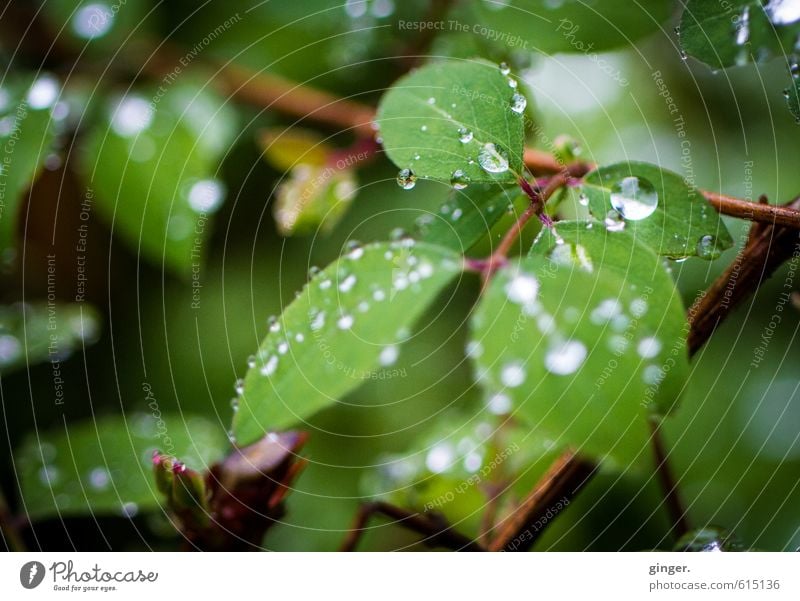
(436, 532)
(563, 480)
(675, 507)
(767, 248)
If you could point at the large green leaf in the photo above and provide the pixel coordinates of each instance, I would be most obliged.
(467, 217)
(459, 121)
(32, 333)
(584, 340)
(153, 162)
(105, 466)
(735, 32)
(345, 323)
(27, 133)
(568, 25)
(659, 207)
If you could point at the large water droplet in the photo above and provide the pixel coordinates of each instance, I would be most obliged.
(635, 198)
(518, 103)
(493, 159)
(565, 358)
(783, 12)
(406, 179)
(459, 180)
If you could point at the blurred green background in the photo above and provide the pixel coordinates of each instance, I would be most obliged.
(734, 442)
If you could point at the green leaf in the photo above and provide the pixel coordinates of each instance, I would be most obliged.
(32, 333)
(735, 32)
(454, 464)
(346, 322)
(105, 466)
(467, 217)
(569, 25)
(27, 135)
(153, 163)
(454, 118)
(584, 340)
(659, 207)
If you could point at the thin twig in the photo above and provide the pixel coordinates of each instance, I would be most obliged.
(767, 248)
(436, 532)
(563, 480)
(672, 500)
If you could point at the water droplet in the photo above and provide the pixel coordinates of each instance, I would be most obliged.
(423, 128)
(565, 358)
(355, 8)
(129, 509)
(273, 323)
(99, 478)
(635, 198)
(43, 93)
(345, 322)
(614, 222)
(684, 55)
(707, 247)
(522, 289)
(513, 374)
(439, 458)
(299, 337)
(652, 375)
(239, 386)
(605, 311)
(493, 159)
(505, 69)
(269, 366)
(518, 103)
(499, 404)
(132, 115)
(251, 361)
(406, 179)
(92, 21)
(648, 347)
(474, 349)
(389, 355)
(347, 284)
(783, 12)
(583, 200)
(382, 8)
(206, 195)
(431, 100)
(638, 307)
(743, 27)
(512, 83)
(283, 348)
(459, 180)
(10, 349)
(465, 135)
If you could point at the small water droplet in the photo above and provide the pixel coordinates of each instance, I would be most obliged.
(99, 478)
(269, 366)
(347, 284)
(707, 247)
(565, 358)
(345, 322)
(512, 83)
(499, 404)
(493, 159)
(239, 386)
(614, 222)
(518, 103)
(423, 128)
(389, 355)
(129, 509)
(406, 179)
(459, 180)
(648, 347)
(251, 361)
(583, 200)
(522, 289)
(743, 27)
(273, 323)
(465, 135)
(635, 198)
(513, 374)
(504, 68)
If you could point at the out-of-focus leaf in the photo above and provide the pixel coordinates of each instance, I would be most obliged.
(105, 466)
(568, 25)
(153, 161)
(454, 121)
(585, 342)
(659, 207)
(467, 217)
(284, 149)
(347, 322)
(27, 134)
(32, 333)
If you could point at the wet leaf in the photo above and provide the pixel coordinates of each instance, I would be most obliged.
(153, 162)
(584, 340)
(105, 466)
(347, 322)
(659, 207)
(457, 121)
(32, 333)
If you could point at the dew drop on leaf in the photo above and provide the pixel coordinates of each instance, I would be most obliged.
(518, 103)
(513, 374)
(505, 69)
(459, 179)
(406, 179)
(493, 159)
(465, 135)
(635, 198)
(614, 222)
(707, 247)
(565, 358)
